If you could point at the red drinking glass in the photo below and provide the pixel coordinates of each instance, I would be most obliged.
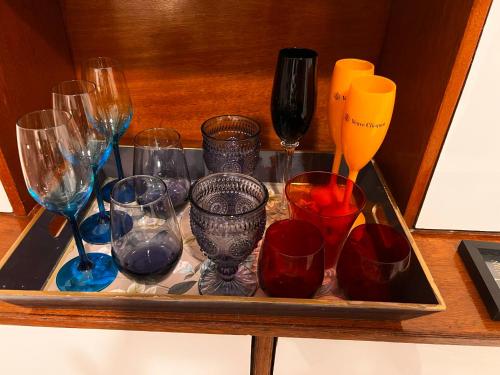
(327, 201)
(291, 261)
(373, 263)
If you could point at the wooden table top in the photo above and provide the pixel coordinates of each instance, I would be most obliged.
(465, 321)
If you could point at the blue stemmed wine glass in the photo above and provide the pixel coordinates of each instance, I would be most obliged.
(79, 98)
(113, 94)
(59, 176)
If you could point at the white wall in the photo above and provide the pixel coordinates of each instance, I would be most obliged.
(40, 351)
(318, 357)
(4, 201)
(464, 192)
(58, 351)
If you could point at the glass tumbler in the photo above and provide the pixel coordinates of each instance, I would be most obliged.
(231, 144)
(228, 217)
(148, 251)
(319, 197)
(292, 259)
(373, 263)
(158, 152)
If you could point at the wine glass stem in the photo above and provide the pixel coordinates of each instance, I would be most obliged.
(98, 196)
(85, 263)
(118, 160)
(336, 162)
(289, 150)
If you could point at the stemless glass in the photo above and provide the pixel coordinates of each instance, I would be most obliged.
(80, 99)
(114, 96)
(293, 99)
(158, 152)
(231, 144)
(317, 197)
(149, 251)
(292, 259)
(373, 263)
(59, 177)
(344, 72)
(228, 217)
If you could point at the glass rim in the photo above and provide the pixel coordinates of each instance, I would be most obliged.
(361, 65)
(355, 185)
(56, 88)
(205, 134)
(321, 247)
(393, 230)
(137, 205)
(297, 53)
(172, 130)
(213, 175)
(39, 111)
(111, 62)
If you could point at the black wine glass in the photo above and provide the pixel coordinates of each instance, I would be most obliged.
(293, 98)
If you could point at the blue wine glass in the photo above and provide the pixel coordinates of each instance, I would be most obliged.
(114, 96)
(58, 176)
(79, 98)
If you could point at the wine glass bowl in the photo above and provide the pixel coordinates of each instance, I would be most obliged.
(158, 152)
(59, 176)
(231, 144)
(80, 99)
(319, 198)
(113, 94)
(148, 250)
(228, 217)
(291, 259)
(373, 263)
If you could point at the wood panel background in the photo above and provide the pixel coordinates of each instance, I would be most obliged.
(189, 60)
(34, 54)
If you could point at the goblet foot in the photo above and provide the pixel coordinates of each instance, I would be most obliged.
(106, 190)
(244, 282)
(103, 272)
(95, 229)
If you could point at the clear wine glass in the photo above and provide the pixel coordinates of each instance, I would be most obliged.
(58, 176)
(80, 99)
(293, 99)
(114, 96)
(158, 152)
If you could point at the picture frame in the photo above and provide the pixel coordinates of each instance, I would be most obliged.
(482, 260)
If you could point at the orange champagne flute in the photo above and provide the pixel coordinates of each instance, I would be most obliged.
(367, 116)
(344, 72)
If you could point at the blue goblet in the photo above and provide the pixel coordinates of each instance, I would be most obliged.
(228, 217)
(59, 176)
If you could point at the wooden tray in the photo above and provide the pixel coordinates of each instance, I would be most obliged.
(26, 269)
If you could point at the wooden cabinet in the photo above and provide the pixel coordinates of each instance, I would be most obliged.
(189, 60)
